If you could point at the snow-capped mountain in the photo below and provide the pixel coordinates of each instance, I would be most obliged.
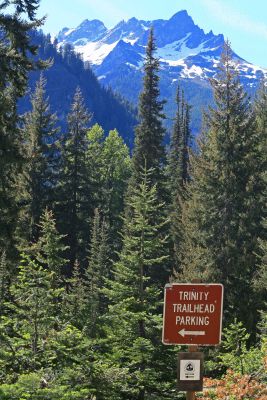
(87, 31)
(186, 53)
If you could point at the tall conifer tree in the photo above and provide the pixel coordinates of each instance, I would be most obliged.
(178, 160)
(109, 168)
(178, 170)
(41, 145)
(260, 278)
(31, 317)
(134, 313)
(75, 303)
(74, 202)
(95, 274)
(222, 219)
(4, 283)
(149, 150)
(15, 62)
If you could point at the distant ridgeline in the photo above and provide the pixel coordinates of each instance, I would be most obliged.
(67, 72)
(185, 51)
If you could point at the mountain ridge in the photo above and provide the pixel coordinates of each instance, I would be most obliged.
(186, 53)
(65, 74)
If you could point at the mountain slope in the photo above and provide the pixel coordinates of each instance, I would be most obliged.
(66, 73)
(186, 53)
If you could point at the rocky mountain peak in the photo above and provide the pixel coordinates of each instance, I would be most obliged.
(88, 30)
(185, 51)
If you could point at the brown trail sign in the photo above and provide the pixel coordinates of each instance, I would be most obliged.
(192, 314)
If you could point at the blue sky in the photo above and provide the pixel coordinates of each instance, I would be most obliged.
(243, 22)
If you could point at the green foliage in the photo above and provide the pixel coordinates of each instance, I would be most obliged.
(36, 184)
(260, 277)
(10, 162)
(90, 327)
(49, 249)
(222, 218)
(4, 283)
(117, 171)
(94, 174)
(235, 352)
(109, 168)
(75, 304)
(38, 346)
(15, 64)
(32, 315)
(97, 271)
(96, 164)
(149, 151)
(178, 162)
(15, 46)
(74, 195)
(178, 173)
(34, 386)
(134, 314)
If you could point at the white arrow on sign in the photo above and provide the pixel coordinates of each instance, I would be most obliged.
(183, 332)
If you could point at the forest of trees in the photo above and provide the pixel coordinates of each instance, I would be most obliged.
(90, 234)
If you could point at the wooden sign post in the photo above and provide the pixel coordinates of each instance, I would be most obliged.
(190, 394)
(192, 316)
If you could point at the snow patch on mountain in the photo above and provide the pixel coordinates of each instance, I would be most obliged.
(173, 52)
(145, 27)
(68, 32)
(131, 41)
(253, 70)
(95, 52)
(193, 72)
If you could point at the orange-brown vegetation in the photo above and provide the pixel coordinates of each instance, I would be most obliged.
(234, 386)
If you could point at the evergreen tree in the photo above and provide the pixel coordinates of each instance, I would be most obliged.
(74, 193)
(25, 329)
(109, 168)
(117, 171)
(75, 306)
(4, 283)
(178, 171)
(178, 162)
(261, 113)
(97, 271)
(260, 278)
(16, 47)
(149, 134)
(15, 62)
(95, 164)
(49, 249)
(149, 151)
(41, 354)
(222, 218)
(10, 163)
(37, 184)
(84, 300)
(134, 314)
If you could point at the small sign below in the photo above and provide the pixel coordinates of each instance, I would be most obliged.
(190, 371)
